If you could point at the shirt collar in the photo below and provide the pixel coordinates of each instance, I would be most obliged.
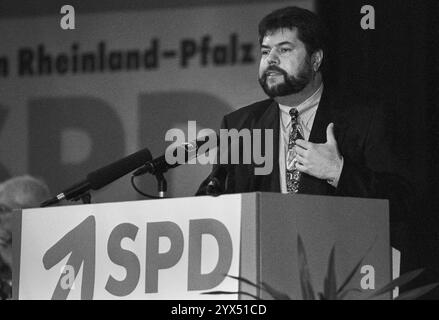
(304, 107)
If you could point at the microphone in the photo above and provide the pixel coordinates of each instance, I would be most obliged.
(189, 149)
(103, 176)
(214, 184)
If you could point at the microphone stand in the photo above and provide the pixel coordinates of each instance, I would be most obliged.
(162, 185)
(85, 197)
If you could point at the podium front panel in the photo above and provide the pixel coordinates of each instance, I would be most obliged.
(155, 249)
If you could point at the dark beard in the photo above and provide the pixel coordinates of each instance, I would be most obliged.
(290, 85)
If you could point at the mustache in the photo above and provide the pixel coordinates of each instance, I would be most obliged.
(274, 69)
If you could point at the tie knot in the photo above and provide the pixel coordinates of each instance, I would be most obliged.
(294, 114)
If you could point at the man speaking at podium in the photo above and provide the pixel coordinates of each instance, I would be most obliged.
(322, 144)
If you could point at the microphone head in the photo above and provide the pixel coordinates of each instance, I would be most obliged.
(113, 171)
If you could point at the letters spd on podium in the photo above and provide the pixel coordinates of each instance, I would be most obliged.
(156, 249)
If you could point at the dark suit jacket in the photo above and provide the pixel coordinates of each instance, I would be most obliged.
(370, 169)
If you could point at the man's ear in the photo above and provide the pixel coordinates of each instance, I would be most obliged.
(316, 60)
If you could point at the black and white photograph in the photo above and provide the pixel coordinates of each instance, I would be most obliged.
(214, 156)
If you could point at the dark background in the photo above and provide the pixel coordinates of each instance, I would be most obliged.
(398, 63)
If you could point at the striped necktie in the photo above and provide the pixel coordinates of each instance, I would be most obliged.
(293, 175)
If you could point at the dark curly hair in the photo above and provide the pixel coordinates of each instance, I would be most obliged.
(310, 29)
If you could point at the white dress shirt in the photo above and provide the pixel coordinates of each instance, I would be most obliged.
(307, 112)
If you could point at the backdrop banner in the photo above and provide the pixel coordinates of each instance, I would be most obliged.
(72, 101)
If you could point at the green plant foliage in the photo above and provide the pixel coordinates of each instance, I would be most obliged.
(330, 291)
(305, 277)
(5, 290)
(403, 280)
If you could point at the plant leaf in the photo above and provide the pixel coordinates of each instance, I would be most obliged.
(418, 292)
(343, 294)
(400, 281)
(354, 271)
(242, 279)
(232, 292)
(263, 287)
(330, 285)
(350, 276)
(277, 295)
(305, 278)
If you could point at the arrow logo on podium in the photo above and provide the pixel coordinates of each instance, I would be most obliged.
(80, 243)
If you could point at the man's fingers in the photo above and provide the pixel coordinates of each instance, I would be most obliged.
(302, 143)
(330, 137)
(300, 159)
(301, 167)
(300, 151)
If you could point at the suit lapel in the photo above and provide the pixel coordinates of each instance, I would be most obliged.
(321, 120)
(327, 112)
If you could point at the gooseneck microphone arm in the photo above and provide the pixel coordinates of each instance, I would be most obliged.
(189, 150)
(157, 165)
(160, 165)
